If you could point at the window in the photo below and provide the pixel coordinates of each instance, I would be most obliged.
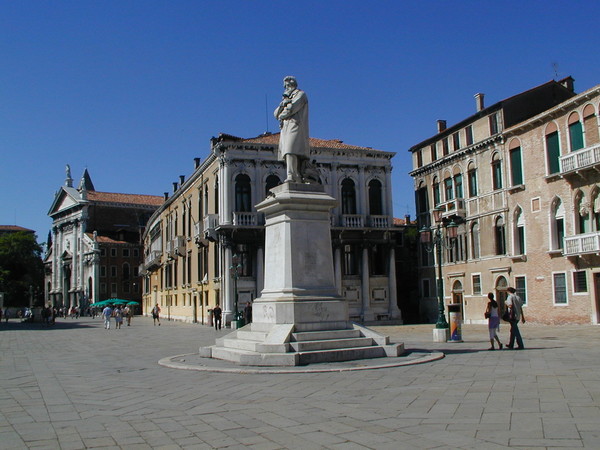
(113, 271)
(350, 260)
(475, 240)
(103, 252)
(136, 271)
(125, 253)
(205, 202)
(426, 287)
(419, 158)
(271, 182)
(557, 225)
(243, 201)
(436, 192)
(445, 147)
(136, 253)
(103, 288)
(375, 203)
(560, 288)
(575, 133)
(500, 237)
(516, 167)
(458, 186)
(590, 124)
(472, 176)
(494, 129)
(553, 151)
(102, 271)
(456, 140)
(448, 189)
(583, 214)
(469, 134)
(113, 289)
(521, 288)
(422, 200)
(496, 172)
(126, 271)
(433, 150)
(580, 281)
(216, 195)
(348, 197)
(476, 280)
(519, 233)
(113, 252)
(126, 288)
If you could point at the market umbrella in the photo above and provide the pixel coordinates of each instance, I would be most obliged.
(133, 303)
(117, 301)
(102, 303)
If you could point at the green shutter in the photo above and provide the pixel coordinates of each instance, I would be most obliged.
(576, 136)
(553, 149)
(516, 166)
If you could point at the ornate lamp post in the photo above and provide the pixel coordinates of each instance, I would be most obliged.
(235, 270)
(433, 239)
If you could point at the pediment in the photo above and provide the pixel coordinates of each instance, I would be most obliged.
(65, 199)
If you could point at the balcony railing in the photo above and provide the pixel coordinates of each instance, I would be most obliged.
(352, 220)
(580, 159)
(198, 229)
(245, 219)
(454, 207)
(152, 259)
(582, 244)
(379, 221)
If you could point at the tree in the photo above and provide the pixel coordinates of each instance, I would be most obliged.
(21, 267)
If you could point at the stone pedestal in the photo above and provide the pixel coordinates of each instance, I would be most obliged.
(299, 318)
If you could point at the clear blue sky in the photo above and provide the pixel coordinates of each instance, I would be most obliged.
(134, 90)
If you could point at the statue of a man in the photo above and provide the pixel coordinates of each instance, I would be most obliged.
(292, 114)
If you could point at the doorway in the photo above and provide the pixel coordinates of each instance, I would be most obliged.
(501, 293)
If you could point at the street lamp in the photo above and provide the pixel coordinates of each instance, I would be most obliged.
(433, 238)
(234, 270)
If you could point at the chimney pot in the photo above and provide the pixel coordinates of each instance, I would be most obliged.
(181, 179)
(174, 186)
(196, 163)
(479, 101)
(441, 125)
(166, 194)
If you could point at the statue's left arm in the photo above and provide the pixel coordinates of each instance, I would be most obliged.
(296, 104)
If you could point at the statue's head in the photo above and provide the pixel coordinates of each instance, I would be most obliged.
(290, 81)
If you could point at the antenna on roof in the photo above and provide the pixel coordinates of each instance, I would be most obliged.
(555, 67)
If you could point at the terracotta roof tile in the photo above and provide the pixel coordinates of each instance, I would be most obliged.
(134, 199)
(15, 228)
(273, 139)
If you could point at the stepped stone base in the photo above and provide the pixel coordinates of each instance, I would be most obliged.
(260, 344)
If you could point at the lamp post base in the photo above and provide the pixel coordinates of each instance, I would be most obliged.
(441, 334)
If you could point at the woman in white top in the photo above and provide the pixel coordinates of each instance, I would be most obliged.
(491, 313)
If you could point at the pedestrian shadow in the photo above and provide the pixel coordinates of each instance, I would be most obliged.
(14, 325)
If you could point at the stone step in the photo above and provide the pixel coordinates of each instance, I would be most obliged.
(343, 354)
(252, 335)
(247, 358)
(323, 335)
(328, 344)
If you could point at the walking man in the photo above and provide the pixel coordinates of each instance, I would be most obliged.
(515, 310)
(106, 314)
(217, 313)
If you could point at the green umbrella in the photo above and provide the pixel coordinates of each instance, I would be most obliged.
(117, 301)
(102, 303)
(133, 303)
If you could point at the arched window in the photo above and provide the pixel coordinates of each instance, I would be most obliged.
(516, 163)
(575, 132)
(475, 240)
(472, 178)
(557, 225)
(348, 197)
(496, 172)
(519, 232)
(206, 199)
(458, 184)
(582, 210)
(552, 149)
(126, 271)
(216, 195)
(436, 192)
(375, 203)
(448, 188)
(500, 236)
(271, 182)
(590, 125)
(243, 200)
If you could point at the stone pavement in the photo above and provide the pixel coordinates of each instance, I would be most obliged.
(76, 385)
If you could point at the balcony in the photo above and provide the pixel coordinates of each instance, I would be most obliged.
(379, 221)
(211, 222)
(179, 244)
(198, 229)
(454, 207)
(152, 259)
(586, 158)
(582, 244)
(352, 220)
(246, 219)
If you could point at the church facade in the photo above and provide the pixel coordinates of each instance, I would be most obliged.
(205, 245)
(94, 247)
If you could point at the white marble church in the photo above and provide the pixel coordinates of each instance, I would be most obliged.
(94, 248)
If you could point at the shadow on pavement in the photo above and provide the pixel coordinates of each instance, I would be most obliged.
(67, 324)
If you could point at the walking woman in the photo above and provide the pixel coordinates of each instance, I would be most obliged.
(491, 313)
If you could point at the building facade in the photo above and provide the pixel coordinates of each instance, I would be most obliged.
(95, 248)
(205, 245)
(519, 180)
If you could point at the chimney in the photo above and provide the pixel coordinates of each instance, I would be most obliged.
(174, 186)
(441, 125)
(407, 219)
(569, 83)
(196, 163)
(166, 194)
(479, 101)
(181, 179)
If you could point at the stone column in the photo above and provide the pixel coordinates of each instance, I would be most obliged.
(367, 313)
(227, 283)
(387, 200)
(362, 192)
(394, 311)
(225, 207)
(335, 191)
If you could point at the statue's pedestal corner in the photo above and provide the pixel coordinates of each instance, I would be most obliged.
(441, 334)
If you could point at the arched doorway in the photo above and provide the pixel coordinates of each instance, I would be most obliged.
(501, 293)
(457, 296)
